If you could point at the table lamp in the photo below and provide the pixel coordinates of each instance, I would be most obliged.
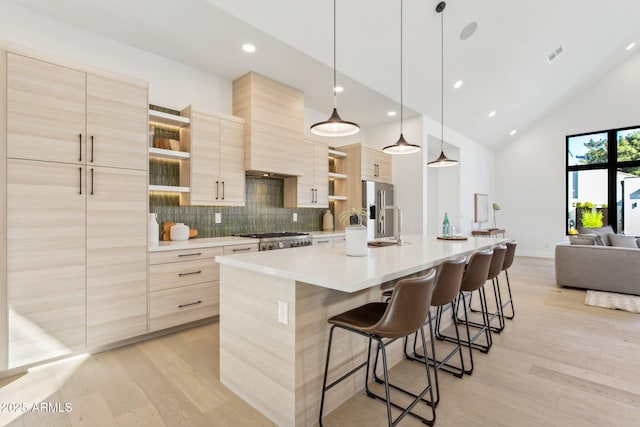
(496, 207)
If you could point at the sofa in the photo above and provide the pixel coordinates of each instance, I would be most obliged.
(599, 259)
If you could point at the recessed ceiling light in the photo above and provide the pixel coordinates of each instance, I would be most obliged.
(391, 113)
(338, 89)
(457, 84)
(513, 132)
(248, 47)
(631, 45)
(492, 113)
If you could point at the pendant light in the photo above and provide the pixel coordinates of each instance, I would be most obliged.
(401, 146)
(334, 126)
(442, 160)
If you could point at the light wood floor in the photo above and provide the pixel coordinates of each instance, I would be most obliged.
(559, 363)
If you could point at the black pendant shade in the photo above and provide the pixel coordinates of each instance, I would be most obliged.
(334, 126)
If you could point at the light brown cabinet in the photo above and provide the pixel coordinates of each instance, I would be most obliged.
(45, 260)
(274, 117)
(375, 165)
(58, 114)
(311, 189)
(184, 284)
(76, 184)
(117, 249)
(214, 171)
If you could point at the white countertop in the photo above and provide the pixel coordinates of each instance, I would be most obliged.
(317, 234)
(170, 245)
(329, 267)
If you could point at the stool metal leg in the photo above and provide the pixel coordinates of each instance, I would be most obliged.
(417, 397)
(508, 302)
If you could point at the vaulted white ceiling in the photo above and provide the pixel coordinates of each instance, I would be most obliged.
(503, 65)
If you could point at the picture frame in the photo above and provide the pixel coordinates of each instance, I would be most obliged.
(481, 208)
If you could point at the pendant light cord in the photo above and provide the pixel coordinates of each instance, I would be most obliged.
(401, 91)
(335, 95)
(442, 81)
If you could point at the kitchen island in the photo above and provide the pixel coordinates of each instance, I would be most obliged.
(274, 307)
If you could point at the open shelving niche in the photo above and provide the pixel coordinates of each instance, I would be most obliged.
(168, 119)
(339, 179)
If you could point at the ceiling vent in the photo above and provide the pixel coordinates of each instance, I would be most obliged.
(555, 54)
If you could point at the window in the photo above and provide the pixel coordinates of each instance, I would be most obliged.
(603, 179)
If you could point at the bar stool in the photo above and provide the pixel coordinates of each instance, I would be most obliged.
(508, 261)
(495, 268)
(448, 284)
(475, 276)
(402, 316)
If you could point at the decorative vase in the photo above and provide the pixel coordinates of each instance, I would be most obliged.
(356, 240)
(327, 221)
(179, 231)
(154, 228)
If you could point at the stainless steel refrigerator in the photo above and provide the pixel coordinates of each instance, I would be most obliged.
(375, 196)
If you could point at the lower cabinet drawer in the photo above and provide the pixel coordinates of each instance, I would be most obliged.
(172, 307)
(176, 274)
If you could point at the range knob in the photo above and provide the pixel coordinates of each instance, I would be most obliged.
(280, 245)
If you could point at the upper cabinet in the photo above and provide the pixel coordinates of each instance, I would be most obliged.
(274, 117)
(55, 113)
(310, 190)
(375, 165)
(46, 111)
(214, 171)
(116, 124)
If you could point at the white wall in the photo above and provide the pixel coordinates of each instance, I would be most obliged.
(171, 84)
(530, 171)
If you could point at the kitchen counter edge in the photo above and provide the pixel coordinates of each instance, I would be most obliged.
(208, 242)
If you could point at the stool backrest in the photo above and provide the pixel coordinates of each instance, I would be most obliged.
(448, 282)
(477, 270)
(508, 257)
(408, 308)
(497, 260)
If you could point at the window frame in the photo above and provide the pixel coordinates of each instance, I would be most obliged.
(611, 166)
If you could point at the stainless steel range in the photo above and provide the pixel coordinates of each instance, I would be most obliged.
(281, 240)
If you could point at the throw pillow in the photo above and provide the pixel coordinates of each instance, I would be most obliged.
(622, 241)
(603, 232)
(584, 239)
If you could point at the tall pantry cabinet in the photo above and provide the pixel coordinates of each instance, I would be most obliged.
(75, 220)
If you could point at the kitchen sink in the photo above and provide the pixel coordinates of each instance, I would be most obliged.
(379, 244)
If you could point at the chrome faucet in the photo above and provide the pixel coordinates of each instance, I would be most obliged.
(397, 225)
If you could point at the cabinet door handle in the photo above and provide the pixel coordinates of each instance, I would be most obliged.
(241, 249)
(193, 254)
(217, 189)
(311, 195)
(91, 148)
(190, 304)
(80, 170)
(80, 139)
(92, 181)
(322, 241)
(190, 273)
(315, 190)
(222, 190)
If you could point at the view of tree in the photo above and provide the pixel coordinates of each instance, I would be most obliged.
(628, 149)
(597, 152)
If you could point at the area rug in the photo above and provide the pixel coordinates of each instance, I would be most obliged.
(612, 300)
